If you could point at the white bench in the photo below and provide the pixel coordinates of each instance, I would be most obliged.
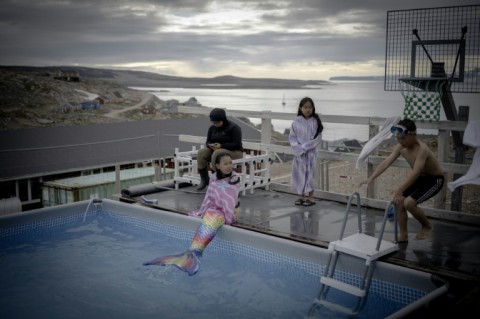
(254, 169)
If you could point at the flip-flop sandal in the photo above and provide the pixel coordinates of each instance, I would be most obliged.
(308, 203)
(299, 201)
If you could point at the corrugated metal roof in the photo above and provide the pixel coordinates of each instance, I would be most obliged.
(101, 178)
(42, 151)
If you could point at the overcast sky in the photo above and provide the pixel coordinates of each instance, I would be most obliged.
(295, 39)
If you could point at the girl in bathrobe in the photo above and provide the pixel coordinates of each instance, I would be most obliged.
(305, 136)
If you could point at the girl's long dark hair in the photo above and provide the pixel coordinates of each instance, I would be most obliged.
(314, 114)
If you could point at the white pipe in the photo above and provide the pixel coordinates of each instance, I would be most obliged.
(419, 302)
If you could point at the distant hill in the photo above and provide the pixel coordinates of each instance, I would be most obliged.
(49, 96)
(38, 98)
(148, 79)
(357, 78)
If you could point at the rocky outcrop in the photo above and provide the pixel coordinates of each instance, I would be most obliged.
(32, 99)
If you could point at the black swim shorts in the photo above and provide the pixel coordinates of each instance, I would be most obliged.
(425, 187)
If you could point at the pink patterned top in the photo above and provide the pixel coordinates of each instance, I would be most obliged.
(221, 196)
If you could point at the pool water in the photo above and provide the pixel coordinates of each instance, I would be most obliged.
(94, 270)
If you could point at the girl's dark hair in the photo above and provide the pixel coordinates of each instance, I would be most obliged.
(220, 175)
(314, 114)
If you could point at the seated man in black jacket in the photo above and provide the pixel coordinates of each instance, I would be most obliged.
(222, 136)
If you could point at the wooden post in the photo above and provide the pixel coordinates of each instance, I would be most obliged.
(372, 190)
(457, 194)
(327, 176)
(451, 113)
(442, 156)
(157, 165)
(117, 179)
(320, 171)
(266, 137)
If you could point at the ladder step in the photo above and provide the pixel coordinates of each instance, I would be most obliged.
(353, 290)
(335, 307)
(363, 246)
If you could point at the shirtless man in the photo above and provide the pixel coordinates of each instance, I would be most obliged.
(424, 182)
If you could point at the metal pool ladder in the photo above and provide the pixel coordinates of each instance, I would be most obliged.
(359, 245)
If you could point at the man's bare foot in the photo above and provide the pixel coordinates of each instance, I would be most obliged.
(424, 233)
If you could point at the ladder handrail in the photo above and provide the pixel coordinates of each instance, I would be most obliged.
(348, 210)
(359, 215)
(385, 217)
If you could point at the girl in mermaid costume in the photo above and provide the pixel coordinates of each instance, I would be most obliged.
(219, 207)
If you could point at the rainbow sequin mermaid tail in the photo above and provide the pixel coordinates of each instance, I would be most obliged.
(188, 261)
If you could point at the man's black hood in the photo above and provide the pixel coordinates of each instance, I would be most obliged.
(218, 115)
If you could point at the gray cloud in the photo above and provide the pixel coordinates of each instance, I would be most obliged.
(111, 32)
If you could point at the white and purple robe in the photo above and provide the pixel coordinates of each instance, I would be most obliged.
(304, 145)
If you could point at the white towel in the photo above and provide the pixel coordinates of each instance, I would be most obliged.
(471, 137)
(375, 141)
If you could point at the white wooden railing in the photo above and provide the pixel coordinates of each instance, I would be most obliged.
(444, 129)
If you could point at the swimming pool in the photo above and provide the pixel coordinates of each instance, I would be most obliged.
(57, 266)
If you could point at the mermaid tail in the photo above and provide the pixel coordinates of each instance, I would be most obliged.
(211, 223)
(188, 261)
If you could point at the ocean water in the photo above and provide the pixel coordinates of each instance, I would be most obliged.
(352, 98)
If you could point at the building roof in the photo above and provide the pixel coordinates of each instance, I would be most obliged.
(43, 151)
(353, 144)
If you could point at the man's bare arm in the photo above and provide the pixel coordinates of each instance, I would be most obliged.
(384, 165)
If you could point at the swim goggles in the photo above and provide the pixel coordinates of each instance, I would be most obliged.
(399, 131)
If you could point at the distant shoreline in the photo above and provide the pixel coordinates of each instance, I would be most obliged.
(147, 79)
(165, 88)
(357, 78)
